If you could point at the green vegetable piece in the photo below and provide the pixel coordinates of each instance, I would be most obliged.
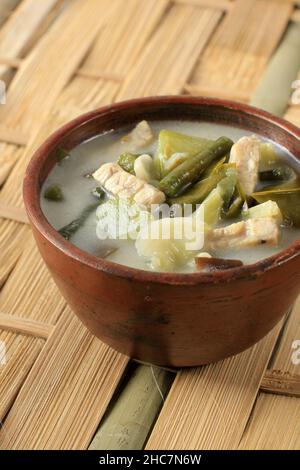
(98, 193)
(235, 208)
(61, 154)
(214, 203)
(268, 156)
(54, 193)
(174, 148)
(278, 173)
(191, 169)
(288, 201)
(126, 161)
(201, 190)
(70, 229)
(266, 209)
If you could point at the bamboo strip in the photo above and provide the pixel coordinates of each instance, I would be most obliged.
(218, 93)
(25, 326)
(194, 26)
(22, 30)
(281, 383)
(133, 411)
(14, 63)
(275, 89)
(6, 8)
(86, 73)
(13, 213)
(274, 425)
(296, 15)
(208, 408)
(238, 52)
(218, 4)
(275, 420)
(13, 237)
(9, 155)
(80, 23)
(121, 42)
(66, 393)
(13, 136)
(21, 353)
(30, 291)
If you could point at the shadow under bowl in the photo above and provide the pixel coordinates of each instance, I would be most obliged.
(166, 318)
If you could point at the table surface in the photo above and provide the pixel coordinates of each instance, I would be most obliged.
(61, 388)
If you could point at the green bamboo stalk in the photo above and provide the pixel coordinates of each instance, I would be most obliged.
(274, 90)
(131, 416)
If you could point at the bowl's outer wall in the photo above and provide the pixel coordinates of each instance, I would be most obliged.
(161, 322)
(176, 325)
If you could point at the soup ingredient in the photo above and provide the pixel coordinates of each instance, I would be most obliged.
(191, 169)
(216, 264)
(126, 186)
(120, 219)
(144, 168)
(288, 200)
(61, 154)
(278, 173)
(70, 229)
(139, 137)
(126, 161)
(245, 153)
(200, 190)
(245, 234)
(98, 193)
(268, 156)
(266, 209)
(169, 243)
(54, 193)
(174, 148)
(214, 203)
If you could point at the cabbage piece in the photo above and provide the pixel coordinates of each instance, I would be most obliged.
(120, 219)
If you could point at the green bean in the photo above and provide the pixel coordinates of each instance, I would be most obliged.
(126, 161)
(191, 169)
(200, 190)
(54, 193)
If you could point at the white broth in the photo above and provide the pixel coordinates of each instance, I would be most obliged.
(69, 175)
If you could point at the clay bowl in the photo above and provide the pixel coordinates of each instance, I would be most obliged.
(167, 319)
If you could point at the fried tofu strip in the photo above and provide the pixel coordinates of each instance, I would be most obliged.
(124, 185)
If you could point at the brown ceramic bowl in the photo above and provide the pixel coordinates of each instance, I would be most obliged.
(167, 319)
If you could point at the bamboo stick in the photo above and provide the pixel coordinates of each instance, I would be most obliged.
(25, 326)
(275, 89)
(13, 213)
(281, 383)
(218, 4)
(133, 411)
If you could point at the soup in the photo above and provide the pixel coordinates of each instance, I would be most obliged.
(175, 196)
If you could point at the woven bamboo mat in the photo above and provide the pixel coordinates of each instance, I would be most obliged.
(61, 388)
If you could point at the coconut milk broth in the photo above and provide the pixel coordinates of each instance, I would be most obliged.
(88, 156)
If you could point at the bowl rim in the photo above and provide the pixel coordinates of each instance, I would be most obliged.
(31, 196)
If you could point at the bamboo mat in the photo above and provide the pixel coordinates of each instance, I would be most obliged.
(60, 388)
